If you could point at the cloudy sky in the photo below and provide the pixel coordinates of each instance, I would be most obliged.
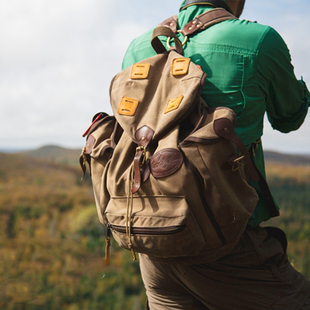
(57, 58)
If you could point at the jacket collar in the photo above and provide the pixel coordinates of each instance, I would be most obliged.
(212, 3)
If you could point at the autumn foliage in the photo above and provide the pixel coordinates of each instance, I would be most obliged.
(51, 242)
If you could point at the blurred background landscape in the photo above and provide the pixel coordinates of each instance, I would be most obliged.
(57, 59)
(52, 244)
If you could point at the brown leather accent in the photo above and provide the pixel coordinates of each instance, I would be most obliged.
(167, 32)
(83, 159)
(145, 171)
(82, 164)
(171, 22)
(225, 128)
(90, 144)
(229, 163)
(206, 20)
(144, 135)
(137, 172)
(165, 162)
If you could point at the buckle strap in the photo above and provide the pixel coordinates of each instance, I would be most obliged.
(169, 28)
(207, 20)
(225, 129)
(171, 22)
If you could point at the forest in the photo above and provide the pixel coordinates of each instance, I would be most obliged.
(52, 244)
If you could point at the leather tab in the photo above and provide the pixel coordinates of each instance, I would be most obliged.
(141, 171)
(171, 22)
(192, 27)
(225, 128)
(90, 144)
(206, 20)
(165, 162)
(144, 135)
(137, 172)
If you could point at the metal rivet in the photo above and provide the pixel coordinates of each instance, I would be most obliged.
(190, 28)
(143, 138)
(171, 24)
(226, 129)
(194, 21)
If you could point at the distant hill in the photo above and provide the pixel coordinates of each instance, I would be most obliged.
(275, 157)
(55, 154)
(62, 155)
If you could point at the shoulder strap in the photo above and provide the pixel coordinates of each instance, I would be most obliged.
(200, 22)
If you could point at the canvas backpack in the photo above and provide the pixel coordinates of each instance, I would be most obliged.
(169, 174)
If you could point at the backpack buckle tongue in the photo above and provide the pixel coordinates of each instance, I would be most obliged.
(143, 136)
(138, 163)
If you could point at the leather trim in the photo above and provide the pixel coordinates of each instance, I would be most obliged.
(207, 20)
(141, 172)
(137, 172)
(171, 22)
(144, 135)
(90, 144)
(165, 162)
(225, 128)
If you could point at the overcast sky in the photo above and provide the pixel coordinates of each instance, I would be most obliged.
(57, 58)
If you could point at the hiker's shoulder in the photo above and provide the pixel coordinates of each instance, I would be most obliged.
(139, 49)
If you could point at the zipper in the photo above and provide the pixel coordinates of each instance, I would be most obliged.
(162, 231)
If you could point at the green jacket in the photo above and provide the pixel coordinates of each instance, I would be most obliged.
(249, 70)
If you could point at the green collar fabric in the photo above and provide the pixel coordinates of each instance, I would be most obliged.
(200, 3)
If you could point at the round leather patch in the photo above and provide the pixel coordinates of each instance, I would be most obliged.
(165, 162)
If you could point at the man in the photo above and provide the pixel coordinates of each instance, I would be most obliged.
(248, 69)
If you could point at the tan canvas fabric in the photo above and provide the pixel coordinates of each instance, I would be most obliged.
(176, 185)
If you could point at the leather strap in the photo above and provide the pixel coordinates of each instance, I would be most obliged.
(171, 22)
(137, 172)
(167, 32)
(169, 28)
(225, 128)
(143, 137)
(206, 20)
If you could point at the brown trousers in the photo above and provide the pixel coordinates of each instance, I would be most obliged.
(255, 276)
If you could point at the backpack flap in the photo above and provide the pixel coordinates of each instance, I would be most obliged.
(157, 92)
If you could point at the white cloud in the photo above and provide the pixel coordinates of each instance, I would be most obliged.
(57, 58)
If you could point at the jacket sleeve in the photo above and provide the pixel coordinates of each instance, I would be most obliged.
(287, 99)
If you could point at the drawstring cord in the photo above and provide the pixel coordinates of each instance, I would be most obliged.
(129, 212)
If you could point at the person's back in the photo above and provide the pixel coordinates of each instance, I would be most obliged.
(249, 70)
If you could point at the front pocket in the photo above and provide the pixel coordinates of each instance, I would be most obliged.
(160, 226)
(151, 231)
